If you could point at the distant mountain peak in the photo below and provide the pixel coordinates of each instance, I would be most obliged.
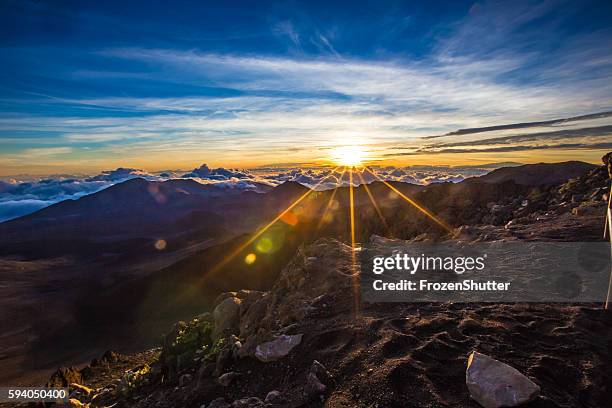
(538, 174)
(290, 186)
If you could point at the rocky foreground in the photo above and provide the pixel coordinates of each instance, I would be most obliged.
(310, 341)
(315, 349)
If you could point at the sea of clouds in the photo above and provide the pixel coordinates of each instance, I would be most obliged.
(24, 195)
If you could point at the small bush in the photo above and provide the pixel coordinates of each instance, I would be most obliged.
(187, 344)
(133, 379)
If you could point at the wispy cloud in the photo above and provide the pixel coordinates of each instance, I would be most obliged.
(46, 151)
(396, 86)
(500, 74)
(286, 29)
(525, 125)
(504, 149)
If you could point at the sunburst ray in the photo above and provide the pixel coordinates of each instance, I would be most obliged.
(410, 201)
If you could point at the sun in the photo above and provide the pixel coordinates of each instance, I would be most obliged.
(351, 156)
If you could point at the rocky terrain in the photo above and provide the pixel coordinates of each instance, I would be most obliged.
(293, 332)
(310, 341)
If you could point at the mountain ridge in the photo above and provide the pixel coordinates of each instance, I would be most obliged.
(538, 174)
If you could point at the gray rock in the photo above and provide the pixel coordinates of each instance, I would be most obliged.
(277, 348)
(274, 397)
(205, 317)
(247, 298)
(224, 296)
(227, 318)
(227, 378)
(494, 384)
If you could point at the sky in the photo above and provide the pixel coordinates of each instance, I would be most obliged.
(87, 86)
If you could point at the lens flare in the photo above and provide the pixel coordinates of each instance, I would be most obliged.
(250, 259)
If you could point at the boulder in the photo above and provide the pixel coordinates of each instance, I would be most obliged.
(253, 316)
(224, 296)
(227, 378)
(249, 296)
(494, 384)
(277, 348)
(274, 397)
(227, 318)
(65, 376)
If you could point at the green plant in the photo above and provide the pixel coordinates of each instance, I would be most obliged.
(133, 379)
(189, 342)
(209, 351)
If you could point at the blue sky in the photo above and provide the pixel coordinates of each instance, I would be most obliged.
(87, 86)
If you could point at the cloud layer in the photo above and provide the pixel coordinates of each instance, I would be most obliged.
(22, 197)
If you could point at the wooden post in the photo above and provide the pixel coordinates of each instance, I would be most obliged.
(609, 232)
(607, 226)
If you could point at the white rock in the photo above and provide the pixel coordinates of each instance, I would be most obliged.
(494, 384)
(277, 348)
